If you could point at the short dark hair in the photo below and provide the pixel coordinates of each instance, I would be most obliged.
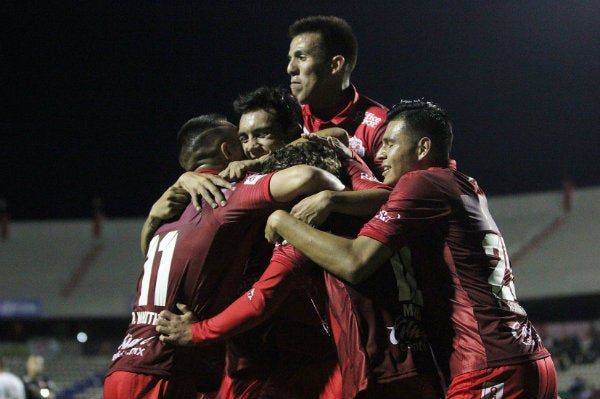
(313, 153)
(425, 118)
(275, 100)
(194, 144)
(336, 34)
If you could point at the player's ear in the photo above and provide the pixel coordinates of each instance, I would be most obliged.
(338, 62)
(423, 147)
(227, 151)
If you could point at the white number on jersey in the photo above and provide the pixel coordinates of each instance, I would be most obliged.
(501, 279)
(167, 247)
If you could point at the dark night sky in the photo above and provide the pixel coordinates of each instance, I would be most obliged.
(96, 91)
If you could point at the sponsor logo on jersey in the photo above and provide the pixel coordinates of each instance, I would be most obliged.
(524, 333)
(385, 216)
(371, 119)
(356, 145)
(369, 177)
(492, 392)
(252, 179)
(132, 346)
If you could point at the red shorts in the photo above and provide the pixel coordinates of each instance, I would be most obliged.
(532, 380)
(124, 385)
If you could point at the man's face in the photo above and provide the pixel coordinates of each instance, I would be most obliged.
(398, 152)
(260, 133)
(308, 68)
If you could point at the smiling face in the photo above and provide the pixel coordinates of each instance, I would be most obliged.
(260, 133)
(398, 153)
(309, 68)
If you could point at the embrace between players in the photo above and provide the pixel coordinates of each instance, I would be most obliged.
(351, 261)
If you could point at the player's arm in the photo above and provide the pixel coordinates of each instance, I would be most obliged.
(249, 310)
(316, 208)
(367, 195)
(353, 260)
(168, 206)
(300, 180)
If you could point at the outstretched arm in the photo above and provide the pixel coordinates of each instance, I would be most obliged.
(249, 310)
(353, 260)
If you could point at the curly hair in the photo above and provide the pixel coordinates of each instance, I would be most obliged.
(311, 153)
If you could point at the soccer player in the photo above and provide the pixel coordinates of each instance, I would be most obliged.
(322, 55)
(437, 230)
(191, 260)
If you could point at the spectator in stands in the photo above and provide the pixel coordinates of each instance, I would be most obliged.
(11, 386)
(580, 390)
(437, 227)
(37, 384)
(594, 348)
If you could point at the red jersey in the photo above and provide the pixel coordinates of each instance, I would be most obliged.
(197, 260)
(363, 119)
(438, 223)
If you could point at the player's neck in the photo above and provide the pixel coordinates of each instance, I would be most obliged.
(334, 104)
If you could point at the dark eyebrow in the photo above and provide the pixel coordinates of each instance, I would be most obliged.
(263, 130)
(299, 52)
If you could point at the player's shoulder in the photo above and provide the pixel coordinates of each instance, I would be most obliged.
(368, 104)
(427, 180)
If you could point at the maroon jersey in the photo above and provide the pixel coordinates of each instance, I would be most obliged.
(438, 223)
(197, 260)
(363, 119)
(381, 336)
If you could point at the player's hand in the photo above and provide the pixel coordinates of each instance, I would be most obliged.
(237, 169)
(340, 148)
(313, 210)
(271, 228)
(205, 185)
(170, 204)
(176, 329)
